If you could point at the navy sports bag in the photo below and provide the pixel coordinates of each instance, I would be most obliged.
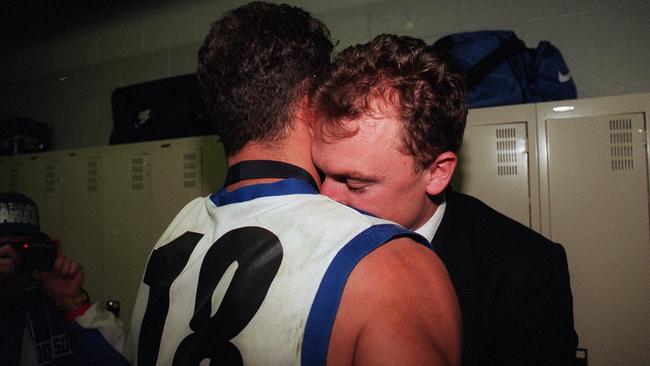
(501, 70)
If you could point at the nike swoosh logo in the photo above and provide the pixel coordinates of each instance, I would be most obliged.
(143, 116)
(563, 78)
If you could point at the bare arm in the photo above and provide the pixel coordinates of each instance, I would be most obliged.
(101, 338)
(398, 308)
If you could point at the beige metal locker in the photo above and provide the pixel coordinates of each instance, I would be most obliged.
(7, 166)
(39, 177)
(498, 161)
(213, 164)
(128, 237)
(175, 177)
(594, 189)
(83, 223)
(109, 205)
(146, 185)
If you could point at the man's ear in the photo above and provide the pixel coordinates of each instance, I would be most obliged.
(440, 172)
(304, 113)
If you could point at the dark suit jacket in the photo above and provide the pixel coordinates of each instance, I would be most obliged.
(512, 285)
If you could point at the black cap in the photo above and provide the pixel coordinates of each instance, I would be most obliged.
(18, 215)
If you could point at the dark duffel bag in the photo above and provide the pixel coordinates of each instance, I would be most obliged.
(23, 136)
(501, 70)
(159, 109)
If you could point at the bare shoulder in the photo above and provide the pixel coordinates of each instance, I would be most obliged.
(398, 307)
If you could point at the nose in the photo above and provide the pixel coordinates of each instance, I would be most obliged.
(332, 189)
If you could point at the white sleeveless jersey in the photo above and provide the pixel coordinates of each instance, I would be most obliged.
(252, 276)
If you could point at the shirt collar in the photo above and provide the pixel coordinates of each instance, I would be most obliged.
(428, 230)
(247, 193)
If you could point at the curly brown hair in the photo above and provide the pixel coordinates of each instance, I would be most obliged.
(415, 82)
(256, 62)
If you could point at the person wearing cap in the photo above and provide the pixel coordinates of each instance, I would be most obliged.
(46, 318)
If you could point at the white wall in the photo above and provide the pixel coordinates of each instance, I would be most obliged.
(67, 79)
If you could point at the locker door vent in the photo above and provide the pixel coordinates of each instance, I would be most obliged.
(189, 170)
(50, 178)
(13, 179)
(506, 151)
(92, 169)
(137, 174)
(621, 148)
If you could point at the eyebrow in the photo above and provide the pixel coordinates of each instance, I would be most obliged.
(356, 176)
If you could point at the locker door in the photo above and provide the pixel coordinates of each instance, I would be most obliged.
(83, 223)
(7, 163)
(127, 219)
(39, 177)
(598, 200)
(213, 159)
(176, 178)
(493, 166)
(15, 167)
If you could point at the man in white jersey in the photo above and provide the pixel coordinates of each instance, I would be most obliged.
(267, 271)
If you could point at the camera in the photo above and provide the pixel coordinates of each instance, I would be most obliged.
(37, 253)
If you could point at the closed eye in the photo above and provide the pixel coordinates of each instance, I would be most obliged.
(354, 183)
(356, 186)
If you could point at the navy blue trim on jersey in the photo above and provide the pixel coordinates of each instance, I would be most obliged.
(323, 311)
(247, 193)
(91, 348)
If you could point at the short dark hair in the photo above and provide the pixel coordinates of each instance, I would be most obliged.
(410, 77)
(256, 62)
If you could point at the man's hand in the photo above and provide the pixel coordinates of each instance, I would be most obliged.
(64, 281)
(9, 261)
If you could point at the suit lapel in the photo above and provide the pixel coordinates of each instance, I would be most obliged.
(453, 244)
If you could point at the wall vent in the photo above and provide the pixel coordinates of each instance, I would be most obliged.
(189, 170)
(621, 150)
(93, 171)
(51, 178)
(506, 151)
(137, 174)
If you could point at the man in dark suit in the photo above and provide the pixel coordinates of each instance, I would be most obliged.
(392, 116)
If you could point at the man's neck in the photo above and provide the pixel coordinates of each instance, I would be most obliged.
(296, 153)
